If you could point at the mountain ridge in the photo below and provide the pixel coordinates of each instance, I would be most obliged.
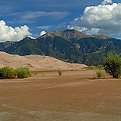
(68, 45)
(70, 34)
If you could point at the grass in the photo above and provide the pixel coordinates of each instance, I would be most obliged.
(99, 67)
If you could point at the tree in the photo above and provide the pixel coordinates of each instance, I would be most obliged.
(112, 65)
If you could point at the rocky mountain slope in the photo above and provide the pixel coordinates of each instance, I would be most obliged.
(68, 45)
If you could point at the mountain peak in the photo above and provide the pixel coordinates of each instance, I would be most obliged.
(69, 34)
(68, 45)
(66, 34)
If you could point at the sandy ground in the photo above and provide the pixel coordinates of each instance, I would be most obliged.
(74, 96)
(36, 62)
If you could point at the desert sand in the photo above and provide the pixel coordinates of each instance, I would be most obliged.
(74, 96)
(37, 62)
(46, 96)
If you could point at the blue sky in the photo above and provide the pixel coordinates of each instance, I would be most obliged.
(44, 15)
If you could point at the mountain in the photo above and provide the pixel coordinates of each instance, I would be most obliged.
(67, 45)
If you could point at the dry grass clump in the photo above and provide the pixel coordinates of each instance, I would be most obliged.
(100, 74)
(60, 72)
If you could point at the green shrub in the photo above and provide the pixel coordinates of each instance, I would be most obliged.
(95, 67)
(23, 72)
(100, 67)
(59, 72)
(10, 73)
(92, 67)
(100, 74)
(112, 65)
(7, 73)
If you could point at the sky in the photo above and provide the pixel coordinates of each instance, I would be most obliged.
(35, 17)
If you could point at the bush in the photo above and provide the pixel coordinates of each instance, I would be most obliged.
(23, 72)
(7, 73)
(100, 67)
(10, 73)
(92, 67)
(59, 72)
(100, 74)
(112, 65)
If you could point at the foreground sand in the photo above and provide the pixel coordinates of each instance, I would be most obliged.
(75, 96)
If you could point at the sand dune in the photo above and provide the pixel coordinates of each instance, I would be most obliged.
(36, 62)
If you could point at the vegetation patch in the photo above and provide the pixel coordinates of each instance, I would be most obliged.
(60, 72)
(112, 65)
(23, 72)
(100, 74)
(99, 67)
(11, 73)
(8, 73)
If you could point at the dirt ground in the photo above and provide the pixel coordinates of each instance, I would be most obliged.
(74, 96)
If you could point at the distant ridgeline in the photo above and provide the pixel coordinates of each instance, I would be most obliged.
(68, 45)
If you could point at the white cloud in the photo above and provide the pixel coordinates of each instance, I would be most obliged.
(107, 2)
(46, 27)
(38, 14)
(7, 33)
(101, 19)
(42, 33)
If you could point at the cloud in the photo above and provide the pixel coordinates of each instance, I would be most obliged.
(101, 19)
(107, 2)
(42, 33)
(28, 17)
(7, 33)
(52, 27)
(36, 14)
(46, 27)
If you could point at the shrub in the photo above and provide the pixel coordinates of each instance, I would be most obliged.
(23, 72)
(10, 73)
(7, 73)
(59, 72)
(100, 67)
(112, 65)
(95, 67)
(92, 67)
(100, 74)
